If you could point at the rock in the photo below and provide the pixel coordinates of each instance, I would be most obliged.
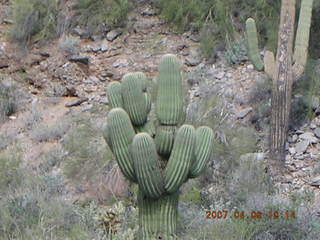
(104, 101)
(250, 67)
(313, 126)
(81, 59)
(299, 132)
(229, 75)
(71, 91)
(220, 75)
(150, 12)
(76, 102)
(243, 113)
(315, 181)
(292, 151)
(302, 146)
(192, 61)
(104, 46)
(194, 38)
(106, 74)
(121, 62)
(180, 47)
(194, 57)
(309, 136)
(112, 35)
(93, 79)
(80, 32)
(95, 47)
(87, 108)
(317, 132)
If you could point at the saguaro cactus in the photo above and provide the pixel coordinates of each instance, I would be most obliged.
(300, 48)
(253, 48)
(161, 161)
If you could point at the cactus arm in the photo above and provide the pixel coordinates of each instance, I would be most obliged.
(114, 94)
(146, 166)
(302, 38)
(203, 149)
(180, 159)
(121, 136)
(169, 104)
(164, 139)
(134, 102)
(269, 63)
(253, 48)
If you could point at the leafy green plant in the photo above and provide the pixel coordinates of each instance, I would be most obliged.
(84, 157)
(34, 20)
(8, 98)
(93, 14)
(236, 52)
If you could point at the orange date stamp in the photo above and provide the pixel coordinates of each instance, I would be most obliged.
(253, 214)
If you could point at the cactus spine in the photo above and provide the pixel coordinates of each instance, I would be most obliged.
(300, 48)
(160, 159)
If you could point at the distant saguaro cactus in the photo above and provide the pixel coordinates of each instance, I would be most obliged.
(300, 49)
(158, 155)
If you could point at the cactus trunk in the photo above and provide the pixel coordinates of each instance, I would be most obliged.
(158, 218)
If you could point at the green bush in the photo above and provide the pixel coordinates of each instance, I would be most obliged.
(183, 13)
(34, 19)
(93, 14)
(10, 174)
(8, 98)
(86, 153)
(228, 15)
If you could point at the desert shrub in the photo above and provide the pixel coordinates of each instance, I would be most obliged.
(34, 18)
(95, 14)
(228, 15)
(44, 133)
(236, 52)
(249, 178)
(10, 174)
(183, 13)
(52, 158)
(69, 44)
(8, 98)
(208, 39)
(86, 153)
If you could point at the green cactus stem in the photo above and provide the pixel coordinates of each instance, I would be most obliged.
(269, 63)
(146, 166)
(204, 138)
(169, 104)
(134, 102)
(158, 218)
(114, 94)
(253, 48)
(180, 159)
(302, 38)
(121, 136)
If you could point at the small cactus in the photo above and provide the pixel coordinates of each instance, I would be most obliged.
(253, 48)
(158, 158)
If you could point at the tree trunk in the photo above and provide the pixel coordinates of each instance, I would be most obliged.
(282, 82)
